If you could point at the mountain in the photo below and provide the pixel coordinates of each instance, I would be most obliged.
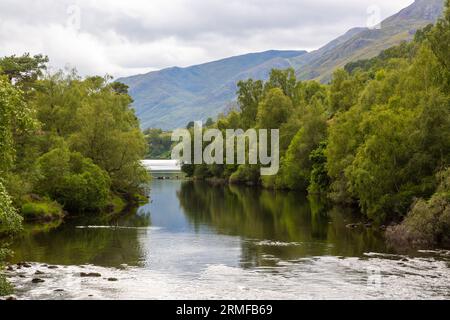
(364, 43)
(172, 97)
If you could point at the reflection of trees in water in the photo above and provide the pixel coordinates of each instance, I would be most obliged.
(253, 213)
(348, 242)
(69, 245)
(308, 223)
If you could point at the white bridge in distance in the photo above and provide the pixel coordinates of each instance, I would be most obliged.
(162, 166)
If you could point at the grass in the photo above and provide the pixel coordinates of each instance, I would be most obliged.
(5, 287)
(41, 210)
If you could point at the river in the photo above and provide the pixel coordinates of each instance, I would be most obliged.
(197, 241)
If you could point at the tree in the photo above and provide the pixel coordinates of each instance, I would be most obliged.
(190, 125)
(344, 90)
(439, 39)
(297, 165)
(320, 181)
(10, 220)
(209, 122)
(120, 88)
(73, 180)
(10, 223)
(15, 117)
(24, 70)
(282, 79)
(159, 143)
(274, 110)
(249, 95)
(108, 133)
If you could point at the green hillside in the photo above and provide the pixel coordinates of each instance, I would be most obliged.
(172, 97)
(364, 43)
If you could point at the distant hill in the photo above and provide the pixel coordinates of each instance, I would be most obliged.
(172, 97)
(364, 43)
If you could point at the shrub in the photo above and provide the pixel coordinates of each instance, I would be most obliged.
(249, 174)
(73, 180)
(10, 221)
(428, 222)
(41, 210)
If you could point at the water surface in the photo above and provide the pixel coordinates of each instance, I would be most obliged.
(197, 241)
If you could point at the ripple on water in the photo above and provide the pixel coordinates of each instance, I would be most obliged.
(327, 277)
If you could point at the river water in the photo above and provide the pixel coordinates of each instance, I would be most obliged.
(197, 241)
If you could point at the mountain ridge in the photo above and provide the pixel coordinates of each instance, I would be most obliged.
(161, 96)
(171, 97)
(365, 43)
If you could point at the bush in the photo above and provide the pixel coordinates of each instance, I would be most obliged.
(248, 174)
(5, 287)
(74, 181)
(202, 172)
(10, 221)
(41, 210)
(428, 222)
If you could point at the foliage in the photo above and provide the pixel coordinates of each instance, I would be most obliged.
(73, 180)
(249, 95)
(93, 118)
(10, 220)
(24, 70)
(320, 180)
(5, 287)
(15, 118)
(297, 165)
(159, 142)
(428, 222)
(41, 210)
(71, 139)
(274, 110)
(374, 137)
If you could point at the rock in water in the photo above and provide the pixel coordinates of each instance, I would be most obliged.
(90, 275)
(37, 280)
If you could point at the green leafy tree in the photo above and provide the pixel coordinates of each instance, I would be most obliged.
(274, 110)
(73, 180)
(25, 70)
(282, 79)
(15, 118)
(439, 39)
(10, 223)
(344, 90)
(159, 142)
(119, 88)
(98, 123)
(320, 181)
(297, 165)
(249, 95)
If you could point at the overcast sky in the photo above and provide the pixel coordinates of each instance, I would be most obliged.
(135, 36)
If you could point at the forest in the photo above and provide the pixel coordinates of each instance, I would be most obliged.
(376, 138)
(68, 146)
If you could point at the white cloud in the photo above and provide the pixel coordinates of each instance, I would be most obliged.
(135, 36)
